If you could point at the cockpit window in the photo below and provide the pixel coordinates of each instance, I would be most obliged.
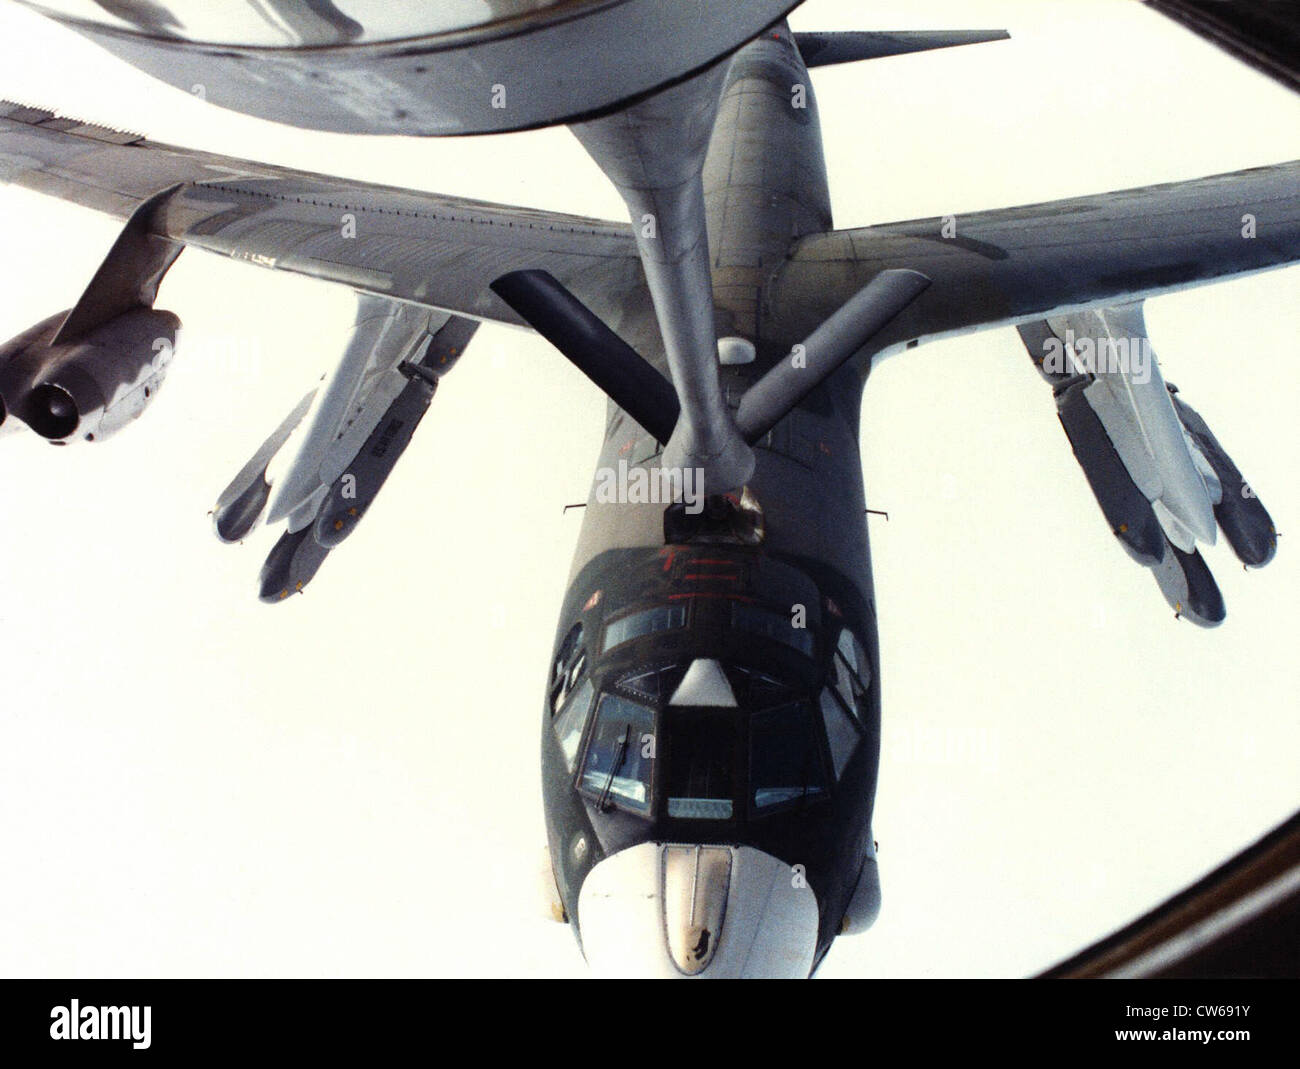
(701, 778)
(758, 690)
(620, 755)
(850, 672)
(652, 684)
(646, 622)
(570, 664)
(572, 721)
(854, 656)
(785, 762)
(770, 624)
(841, 730)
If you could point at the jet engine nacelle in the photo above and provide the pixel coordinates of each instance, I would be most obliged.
(1161, 477)
(93, 387)
(1241, 516)
(16, 363)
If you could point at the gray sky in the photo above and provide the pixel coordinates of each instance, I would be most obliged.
(347, 784)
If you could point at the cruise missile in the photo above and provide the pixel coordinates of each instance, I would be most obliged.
(352, 492)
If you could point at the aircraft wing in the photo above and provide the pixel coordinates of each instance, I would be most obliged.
(1072, 275)
(1016, 265)
(401, 244)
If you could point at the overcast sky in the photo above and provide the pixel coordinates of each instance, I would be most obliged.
(193, 783)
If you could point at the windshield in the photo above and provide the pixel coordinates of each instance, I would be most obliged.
(766, 751)
(646, 622)
(620, 755)
(571, 723)
(784, 762)
(701, 764)
(770, 624)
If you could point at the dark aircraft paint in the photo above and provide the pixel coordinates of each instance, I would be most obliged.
(713, 583)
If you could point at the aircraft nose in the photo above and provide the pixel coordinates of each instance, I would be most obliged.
(707, 911)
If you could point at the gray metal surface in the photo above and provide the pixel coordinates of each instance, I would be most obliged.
(421, 247)
(654, 153)
(1012, 264)
(447, 67)
(1003, 266)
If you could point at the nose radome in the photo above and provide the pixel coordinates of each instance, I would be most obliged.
(673, 910)
(696, 883)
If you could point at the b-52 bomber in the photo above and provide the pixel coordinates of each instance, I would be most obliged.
(711, 723)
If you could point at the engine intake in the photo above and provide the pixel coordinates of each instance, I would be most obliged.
(90, 388)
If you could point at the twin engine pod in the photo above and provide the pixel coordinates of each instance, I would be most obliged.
(91, 388)
(1160, 476)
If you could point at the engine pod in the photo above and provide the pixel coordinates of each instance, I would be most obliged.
(292, 563)
(1125, 507)
(1240, 514)
(94, 387)
(1190, 589)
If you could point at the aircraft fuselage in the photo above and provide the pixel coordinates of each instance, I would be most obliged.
(767, 586)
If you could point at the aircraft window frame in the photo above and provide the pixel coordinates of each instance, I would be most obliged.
(746, 617)
(757, 690)
(575, 714)
(849, 682)
(802, 796)
(665, 678)
(840, 757)
(717, 734)
(616, 792)
(623, 622)
(568, 668)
